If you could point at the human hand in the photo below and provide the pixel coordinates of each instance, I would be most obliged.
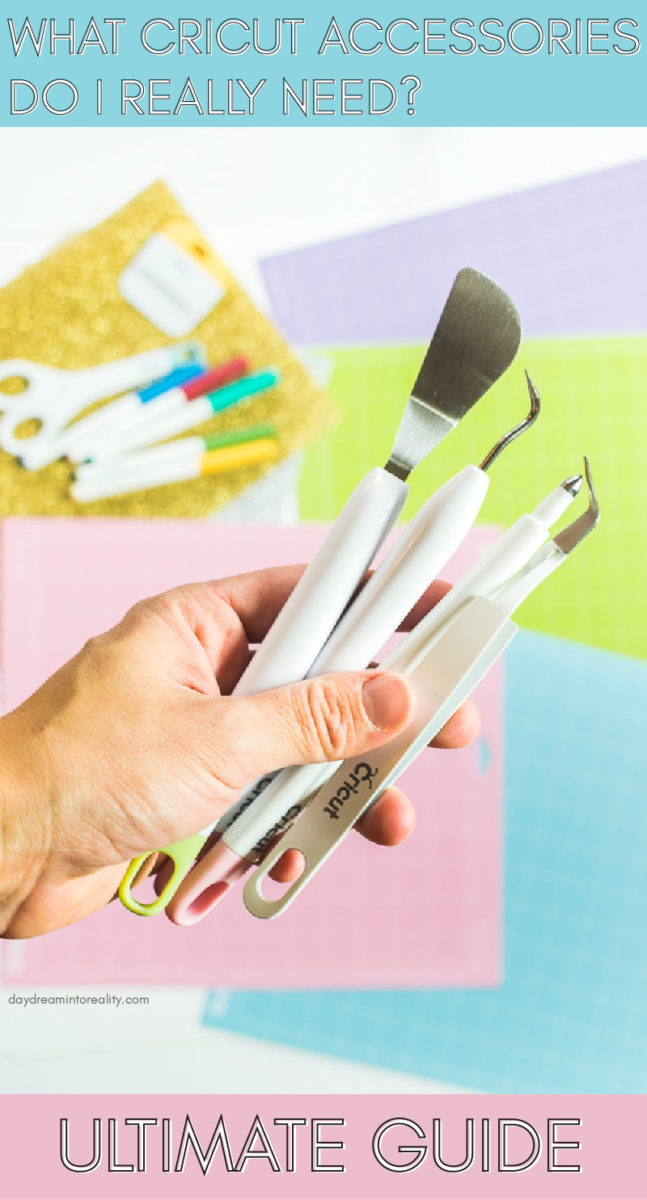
(136, 743)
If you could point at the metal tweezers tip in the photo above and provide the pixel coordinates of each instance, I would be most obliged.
(569, 538)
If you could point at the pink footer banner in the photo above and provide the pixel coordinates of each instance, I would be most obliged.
(346, 1147)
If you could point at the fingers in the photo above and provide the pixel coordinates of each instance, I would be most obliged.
(390, 821)
(287, 868)
(256, 598)
(460, 730)
(219, 620)
(427, 601)
(51, 905)
(228, 615)
(317, 720)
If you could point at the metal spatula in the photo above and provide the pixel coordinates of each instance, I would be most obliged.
(476, 339)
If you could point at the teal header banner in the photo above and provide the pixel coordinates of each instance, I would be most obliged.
(310, 65)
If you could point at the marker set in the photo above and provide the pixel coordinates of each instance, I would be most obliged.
(187, 458)
(161, 394)
(335, 621)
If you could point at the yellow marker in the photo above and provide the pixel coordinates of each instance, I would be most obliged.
(234, 458)
(176, 461)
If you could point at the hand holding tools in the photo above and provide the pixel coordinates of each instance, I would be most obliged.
(444, 657)
(476, 338)
(247, 828)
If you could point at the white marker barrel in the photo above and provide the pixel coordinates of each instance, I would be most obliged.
(134, 477)
(87, 438)
(168, 416)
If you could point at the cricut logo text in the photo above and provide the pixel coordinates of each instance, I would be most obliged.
(362, 774)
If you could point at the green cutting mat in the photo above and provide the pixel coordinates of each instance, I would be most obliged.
(594, 402)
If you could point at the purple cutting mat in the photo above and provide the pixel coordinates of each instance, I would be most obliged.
(573, 256)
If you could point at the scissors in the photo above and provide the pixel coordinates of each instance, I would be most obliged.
(53, 396)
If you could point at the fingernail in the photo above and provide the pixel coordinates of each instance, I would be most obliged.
(387, 701)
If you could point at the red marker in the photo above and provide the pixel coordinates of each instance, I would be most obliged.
(89, 438)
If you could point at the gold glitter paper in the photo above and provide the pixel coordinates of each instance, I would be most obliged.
(66, 311)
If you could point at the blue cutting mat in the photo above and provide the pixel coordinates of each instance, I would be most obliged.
(571, 1014)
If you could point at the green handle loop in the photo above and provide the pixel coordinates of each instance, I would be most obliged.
(182, 853)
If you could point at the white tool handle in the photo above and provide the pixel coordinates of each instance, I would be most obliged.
(54, 403)
(311, 612)
(428, 542)
(411, 565)
(492, 570)
(459, 658)
(501, 569)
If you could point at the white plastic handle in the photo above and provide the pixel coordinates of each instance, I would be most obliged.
(311, 612)
(458, 660)
(313, 608)
(263, 810)
(430, 539)
(305, 623)
(413, 562)
(55, 396)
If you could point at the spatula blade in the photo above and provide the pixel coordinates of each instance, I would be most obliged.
(476, 339)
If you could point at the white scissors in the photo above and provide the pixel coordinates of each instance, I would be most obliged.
(53, 396)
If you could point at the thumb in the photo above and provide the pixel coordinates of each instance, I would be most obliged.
(325, 718)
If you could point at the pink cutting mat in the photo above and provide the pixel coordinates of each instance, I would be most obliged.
(425, 915)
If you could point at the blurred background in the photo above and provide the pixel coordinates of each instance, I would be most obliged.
(348, 241)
